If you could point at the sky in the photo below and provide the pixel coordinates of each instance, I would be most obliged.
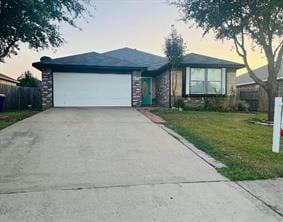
(139, 24)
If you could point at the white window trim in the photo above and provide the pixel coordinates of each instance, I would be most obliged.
(188, 81)
(224, 81)
(188, 78)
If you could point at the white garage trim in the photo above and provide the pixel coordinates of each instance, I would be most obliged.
(92, 89)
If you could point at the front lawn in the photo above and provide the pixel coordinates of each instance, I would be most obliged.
(10, 117)
(243, 146)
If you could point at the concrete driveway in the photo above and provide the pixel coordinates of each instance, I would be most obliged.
(111, 165)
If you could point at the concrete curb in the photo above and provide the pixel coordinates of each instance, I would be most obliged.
(210, 160)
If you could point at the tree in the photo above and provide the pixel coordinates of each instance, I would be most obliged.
(36, 22)
(260, 21)
(28, 80)
(174, 50)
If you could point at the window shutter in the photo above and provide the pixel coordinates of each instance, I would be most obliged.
(223, 82)
(188, 77)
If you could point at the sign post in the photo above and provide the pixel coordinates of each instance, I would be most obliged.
(277, 126)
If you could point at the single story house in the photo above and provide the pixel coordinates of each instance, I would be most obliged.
(255, 95)
(129, 77)
(4, 79)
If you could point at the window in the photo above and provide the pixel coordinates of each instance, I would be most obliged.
(209, 81)
(214, 81)
(198, 81)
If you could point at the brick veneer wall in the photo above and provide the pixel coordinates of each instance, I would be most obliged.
(163, 89)
(136, 89)
(47, 89)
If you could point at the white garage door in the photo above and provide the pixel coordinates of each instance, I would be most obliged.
(91, 89)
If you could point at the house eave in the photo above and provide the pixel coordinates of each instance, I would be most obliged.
(157, 71)
(193, 65)
(86, 68)
(200, 65)
(253, 83)
(10, 81)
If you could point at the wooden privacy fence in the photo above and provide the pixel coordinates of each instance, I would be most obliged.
(252, 98)
(256, 97)
(20, 97)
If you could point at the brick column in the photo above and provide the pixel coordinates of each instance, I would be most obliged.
(136, 87)
(47, 88)
(163, 89)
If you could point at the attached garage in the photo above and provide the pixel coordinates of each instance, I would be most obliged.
(92, 89)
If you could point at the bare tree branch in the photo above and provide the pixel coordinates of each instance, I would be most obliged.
(243, 53)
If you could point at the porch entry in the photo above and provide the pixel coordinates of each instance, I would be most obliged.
(146, 83)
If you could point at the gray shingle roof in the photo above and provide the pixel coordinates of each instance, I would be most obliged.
(261, 72)
(197, 59)
(126, 57)
(92, 59)
(151, 61)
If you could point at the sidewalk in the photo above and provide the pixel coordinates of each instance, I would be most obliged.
(268, 191)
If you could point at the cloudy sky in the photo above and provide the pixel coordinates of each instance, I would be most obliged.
(140, 24)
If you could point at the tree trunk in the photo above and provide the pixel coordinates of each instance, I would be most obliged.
(172, 89)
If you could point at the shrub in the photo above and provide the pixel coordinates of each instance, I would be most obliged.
(214, 104)
(259, 117)
(242, 106)
(193, 108)
(179, 103)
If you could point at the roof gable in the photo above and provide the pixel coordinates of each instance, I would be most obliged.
(151, 61)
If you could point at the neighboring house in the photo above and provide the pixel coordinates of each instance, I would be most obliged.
(129, 77)
(4, 79)
(255, 95)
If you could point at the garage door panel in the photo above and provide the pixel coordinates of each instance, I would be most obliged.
(91, 89)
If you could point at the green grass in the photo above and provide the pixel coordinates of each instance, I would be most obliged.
(10, 117)
(243, 146)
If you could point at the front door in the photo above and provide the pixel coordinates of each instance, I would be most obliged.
(146, 91)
